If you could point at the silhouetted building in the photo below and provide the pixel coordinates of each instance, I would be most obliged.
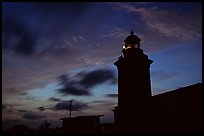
(178, 111)
(134, 87)
(82, 123)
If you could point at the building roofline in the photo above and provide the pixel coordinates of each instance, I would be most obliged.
(82, 116)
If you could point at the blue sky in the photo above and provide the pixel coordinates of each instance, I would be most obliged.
(53, 52)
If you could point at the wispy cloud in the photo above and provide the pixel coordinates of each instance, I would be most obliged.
(184, 27)
(116, 32)
(162, 75)
(20, 79)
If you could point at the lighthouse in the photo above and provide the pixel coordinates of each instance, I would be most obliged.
(134, 86)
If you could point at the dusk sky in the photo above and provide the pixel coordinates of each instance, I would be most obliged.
(56, 52)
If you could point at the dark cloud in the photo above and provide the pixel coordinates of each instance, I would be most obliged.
(16, 36)
(97, 77)
(54, 99)
(23, 93)
(64, 79)
(26, 45)
(74, 90)
(86, 81)
(22, 110)
(65, 105)
(71, 87)
(41, 108)
(32, 116)
(27, 24)
(11, 26)
(111, 95)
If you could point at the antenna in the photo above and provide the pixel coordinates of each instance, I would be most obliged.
(132, 32)
(70, 108)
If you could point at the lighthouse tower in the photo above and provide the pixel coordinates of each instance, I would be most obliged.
(134, 87)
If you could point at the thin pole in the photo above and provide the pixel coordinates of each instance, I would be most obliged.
(70, 109)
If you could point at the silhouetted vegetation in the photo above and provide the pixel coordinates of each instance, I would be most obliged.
(45, 125)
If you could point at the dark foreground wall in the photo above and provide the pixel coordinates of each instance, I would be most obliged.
(178, 111)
